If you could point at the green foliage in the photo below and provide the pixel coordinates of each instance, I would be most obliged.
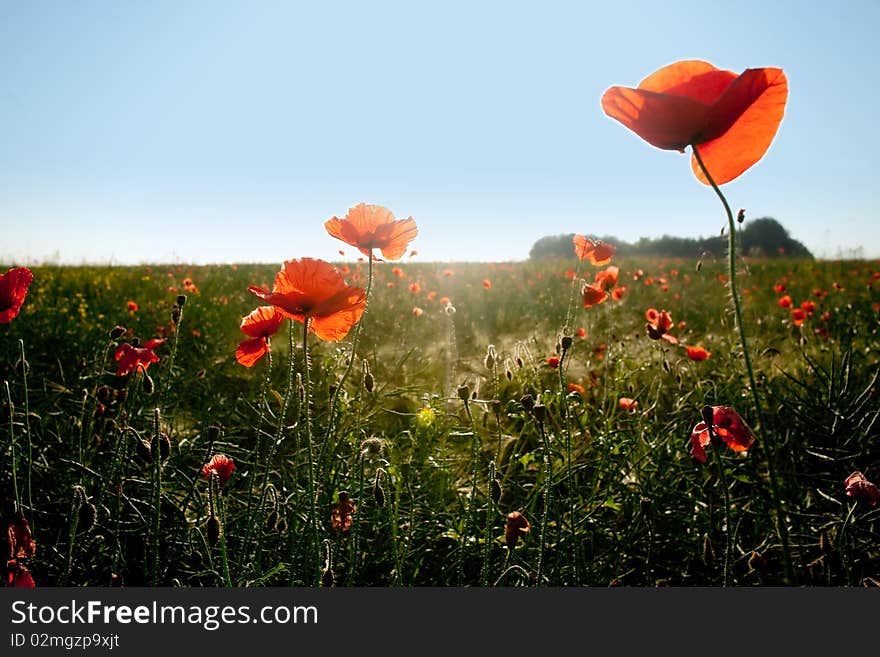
(631, 507)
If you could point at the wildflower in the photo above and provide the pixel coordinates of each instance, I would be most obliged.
(598, 253)
(131, 357)
(444, 301)
(779, 288)
(487, 284)
(553, 361)
(13, 290)
(731, 118)
(417, 312)
(20, 541)
(397, 271)
(425, 417)
(340, 516)
(859, 488)
(808, 307)
(19, 576)
(627, 404)
(415, 288)
(618, 292)
(784, 302)
(658, 325)
(369, 227)
(592, 295)
(581, 332)
(132, 306)
(220, 464)
(798, 316)
(727, 425)
(607, 278)
(448, 272)
(576, 387)
(697, 353)
(516, 527)
(260, 325)
(311, 289)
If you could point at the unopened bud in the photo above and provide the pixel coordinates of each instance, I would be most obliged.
(378, 491)
(327, 577)
(741, 216)
(213, 432)
(117, 332)
(215, 530)
(708, 550)
(87, 515)
(540, 413)
(464, 393)
(527, 401)
(175, 314)
(164, 445)
(272, 521)
(368, 381)
(567, 341)
(142, 447)
(148, 384)
(181, 300)
(495, 490)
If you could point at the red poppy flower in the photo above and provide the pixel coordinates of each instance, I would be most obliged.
(808, 307)
(13, 289)
(261, 324)
(798, 316)
(516, 527)
(20, 541)
(727, 425)
(784, 302)
(592, 295)
(417, 312)
(607, 278)
(578, 388)
(369, 227)
(315, 290)
(697, 353)
(132, 306)
(628, 404)
(598, 253)
(130, 357)
(618, 292)
(487, 284)
(731, 118)
(581, 332)
(340, 515)
(220, 464)
(19, 576)
(859, 488)
(553, 361)
(415, 288)
(658, 325)
(779, 288)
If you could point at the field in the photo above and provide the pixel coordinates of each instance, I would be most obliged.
(473, 395)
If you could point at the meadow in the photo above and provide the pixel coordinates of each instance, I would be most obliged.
(488, 430)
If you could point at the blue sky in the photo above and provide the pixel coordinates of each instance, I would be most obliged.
(229, 132)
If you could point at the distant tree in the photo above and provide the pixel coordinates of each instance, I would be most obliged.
(764, 237)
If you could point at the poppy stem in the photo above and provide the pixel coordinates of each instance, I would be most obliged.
(157, 502)
(313, 514)
(566, 425)
(722, 476)
(27, 431)
(548, 475)
(841, 546)
(12, 445)
(781, 527)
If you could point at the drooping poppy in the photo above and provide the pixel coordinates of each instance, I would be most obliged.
(658, 325)
(697, 352)
(314, 290)
(553, 361)
(341, 515)
(131, 357)
(598, 253)
(592, 295)
(369, 227)
(13, 289)
(516, 527)
(732, 119)
(222, 465)
(859, 488)
(784, 302)
(19, 539)
(727, 425)
(607, 278)
(260, 325)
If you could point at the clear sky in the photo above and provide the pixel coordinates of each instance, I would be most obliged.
(230, 131)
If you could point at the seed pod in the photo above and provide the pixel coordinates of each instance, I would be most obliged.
(215, 530)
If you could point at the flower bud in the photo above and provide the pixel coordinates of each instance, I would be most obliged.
(181, 300)
(464, 393)
(117, 332)
(215, 530)
(567, 341)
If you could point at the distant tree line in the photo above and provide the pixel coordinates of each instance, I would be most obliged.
(764, 237)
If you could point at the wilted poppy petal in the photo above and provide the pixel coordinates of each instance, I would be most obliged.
(742, 124)
(663, 120)
(251, 350)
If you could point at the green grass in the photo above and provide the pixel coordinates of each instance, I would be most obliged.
(629, 507)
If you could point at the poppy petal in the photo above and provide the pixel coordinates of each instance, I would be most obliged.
(741, 124)
(264, 321)
(251, 350)
(693, 78)
(13, 290)
(395, 237)
(336, 326)
(663, 120)
(699, 440)
(583, 246)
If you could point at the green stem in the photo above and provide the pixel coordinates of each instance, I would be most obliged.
(27, 431)
(354, 560)
(13, 455)
(157, 502)
(722, 476)
(548, 475)
(569, 481)
(313, 512)
(781, 526)
(471, 529)
(227, 578)
(841, 546)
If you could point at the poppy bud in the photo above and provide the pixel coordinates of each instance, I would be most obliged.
(148, 384)
(327, 577)
(699, 264)
(215, 530)
(281, 527)
(517, 527)
(540, 413)
(213, 432)
(372, 446)
(272, 521)
(756, 561)
(175, 314)
(103, 393)
(87, 516)
(527, 401)
(567, 341)
(741, 216)
(645, 504)
(464, 393)
(135, 342)
(164, 445)
(378, 491)
(497, 406)
(824, 543)
(495, 490)
(519, 362)
(368, 381)
(117, 332)
(708, 550)
(491, 354)
(143, 450)
(181, 300)
(666, 365)
(508, 374)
